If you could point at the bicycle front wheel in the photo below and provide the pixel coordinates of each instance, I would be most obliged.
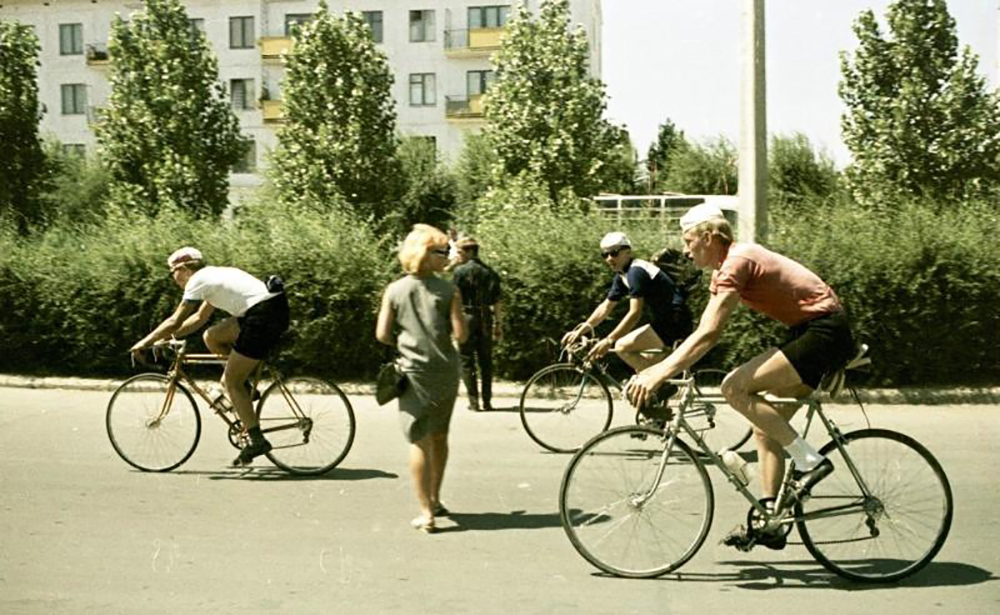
(153, 424)
(893, 531)
(563, 406)
(309, 422)
(624, 521)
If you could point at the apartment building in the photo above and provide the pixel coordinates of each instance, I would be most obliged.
(438, 50)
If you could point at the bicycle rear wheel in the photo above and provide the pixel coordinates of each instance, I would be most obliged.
(614, 517)
(891, 533)
(728, 428)
(146, 431)
(310, 425)
(563, 406)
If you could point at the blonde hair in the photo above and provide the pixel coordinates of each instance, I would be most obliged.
(716, 226)
(415, 252)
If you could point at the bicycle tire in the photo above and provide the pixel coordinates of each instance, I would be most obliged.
(731, 430)
(614, 532)
(315, 443)
(141, 440)
(563, 406)
(903, 524)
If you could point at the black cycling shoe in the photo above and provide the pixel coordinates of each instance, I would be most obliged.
(805, 481)
(744, 539)
(254, 449)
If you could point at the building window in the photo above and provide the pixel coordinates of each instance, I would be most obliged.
(241, 94)
(241, 33)
(294, 21)
(422, 90)
(421, 26)
(248, 164)
(488, 16)
(70, 39)
(374, 21)
(77, 150)
(74, 99)
(197, 26)
(477, 81)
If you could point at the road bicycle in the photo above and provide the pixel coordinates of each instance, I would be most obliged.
(565, 404)
(154, 423)
(638, 502)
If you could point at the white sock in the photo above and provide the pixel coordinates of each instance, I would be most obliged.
(805, 456)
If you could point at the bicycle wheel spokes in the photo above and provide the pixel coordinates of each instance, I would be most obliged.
(619, 519)
(313, 436)
(562, 407)
(148, 433)
(891, 533)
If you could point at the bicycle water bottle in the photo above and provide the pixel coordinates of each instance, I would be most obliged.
(737, 465)
(219, 399)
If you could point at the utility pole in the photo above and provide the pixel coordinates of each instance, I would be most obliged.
(753, 125)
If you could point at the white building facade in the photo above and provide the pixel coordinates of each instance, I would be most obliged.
(438, 50)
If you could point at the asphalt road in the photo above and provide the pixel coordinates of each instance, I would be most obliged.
(82, 532)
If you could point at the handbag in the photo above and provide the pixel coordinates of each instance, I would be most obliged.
(390, 384)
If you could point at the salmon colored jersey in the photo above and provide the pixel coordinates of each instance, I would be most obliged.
(773, 284)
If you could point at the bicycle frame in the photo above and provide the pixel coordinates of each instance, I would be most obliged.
(781, 514)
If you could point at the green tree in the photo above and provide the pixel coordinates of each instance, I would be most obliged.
(544, 110)
(668, 140)
(474, 169)
(168, 135)
(340, 140)
(76, 187)
(796, 173)
(430, 187)
(919, 120)
(712, 168)
(622, 172)
(22, 164)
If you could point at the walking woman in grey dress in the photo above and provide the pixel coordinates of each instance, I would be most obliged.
(421, 313)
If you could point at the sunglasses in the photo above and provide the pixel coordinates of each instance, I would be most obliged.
(612, 253)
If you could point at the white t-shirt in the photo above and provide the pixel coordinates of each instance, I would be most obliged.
(226, 288)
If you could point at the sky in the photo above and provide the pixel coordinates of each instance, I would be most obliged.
(679, 60)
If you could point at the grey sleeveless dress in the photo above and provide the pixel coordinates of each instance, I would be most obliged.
(422, 306)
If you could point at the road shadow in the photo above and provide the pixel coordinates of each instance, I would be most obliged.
(809, 574)
(488, 521)
(275, 474)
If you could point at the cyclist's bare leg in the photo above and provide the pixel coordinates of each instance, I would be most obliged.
(742, 388)
(631, 346)
(220, 337)
(238, 369)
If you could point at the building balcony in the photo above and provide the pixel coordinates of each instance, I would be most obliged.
(462, 108)
(97, 54)
(273, 111)
(273, 47)
(477, 42)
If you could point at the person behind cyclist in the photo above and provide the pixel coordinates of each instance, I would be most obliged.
(258, 318)
(644, 284)
(480, 288)
(820, 340)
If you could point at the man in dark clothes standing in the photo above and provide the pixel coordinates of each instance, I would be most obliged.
(480, 288)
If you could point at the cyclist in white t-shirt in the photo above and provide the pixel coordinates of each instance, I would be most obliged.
(258, 318)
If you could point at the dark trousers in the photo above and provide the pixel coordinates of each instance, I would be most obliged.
(478, 346)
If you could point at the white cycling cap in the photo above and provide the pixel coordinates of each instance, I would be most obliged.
(700, 213)
(186, 254)
(614, 240)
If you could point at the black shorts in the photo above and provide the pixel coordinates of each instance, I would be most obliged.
(819, 346)
(261, 327)
(672, 326)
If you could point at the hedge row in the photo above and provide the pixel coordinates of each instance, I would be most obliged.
(921, 286)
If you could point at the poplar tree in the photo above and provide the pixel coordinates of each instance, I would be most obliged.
(544, 111)
(22, 164)
(340, 140)
(920, 121)
(168, 134)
